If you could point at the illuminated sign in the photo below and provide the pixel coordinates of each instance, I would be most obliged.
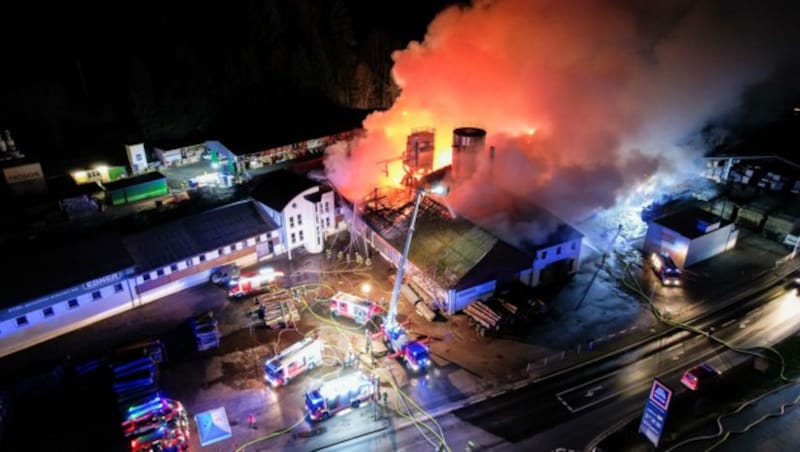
(655, 412)
(23, 173)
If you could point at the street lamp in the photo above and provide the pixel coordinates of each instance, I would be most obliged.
(366, 288)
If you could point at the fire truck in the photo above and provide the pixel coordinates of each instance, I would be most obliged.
(151, 415)
(414, 353)
(252, 283)
(358, 309)
(347, 391)
(288, 364)
(668, 273)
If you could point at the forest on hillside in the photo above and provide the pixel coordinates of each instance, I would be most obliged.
(83, 78)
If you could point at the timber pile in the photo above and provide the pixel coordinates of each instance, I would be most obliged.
(497, 315)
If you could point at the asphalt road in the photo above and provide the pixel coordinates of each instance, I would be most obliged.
(568, 411)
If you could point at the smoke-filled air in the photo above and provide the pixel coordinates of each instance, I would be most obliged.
(584, 101)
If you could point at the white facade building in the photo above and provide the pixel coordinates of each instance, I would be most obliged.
(304, 210)
(690, 236)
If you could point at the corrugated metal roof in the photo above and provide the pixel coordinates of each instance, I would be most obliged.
(193, 235)
(44, 266)
(445, 247)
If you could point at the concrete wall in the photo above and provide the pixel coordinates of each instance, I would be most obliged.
(711, 244)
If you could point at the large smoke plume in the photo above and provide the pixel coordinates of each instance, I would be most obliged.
(583, 100)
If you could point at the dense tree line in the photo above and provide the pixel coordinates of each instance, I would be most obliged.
(80, 77)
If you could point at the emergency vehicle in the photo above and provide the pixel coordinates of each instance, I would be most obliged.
(166, 437)
(252, 283)
(333, 396)
(414, 353)
(668, 273)
(358, 309)
(288, 364)
(149, 416)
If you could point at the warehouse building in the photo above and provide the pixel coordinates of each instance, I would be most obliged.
(182, 254)
(136, 188)
(83, 280)
(56, 286)
(453, 260)
(690, 236)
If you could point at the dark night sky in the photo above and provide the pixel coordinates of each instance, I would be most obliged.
(79, 81)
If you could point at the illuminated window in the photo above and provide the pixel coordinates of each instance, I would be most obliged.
(48, 312)
(293, 238)
(117, 288)
(22, 321)
(146, 277)
(96, 295)
(73, 303)
(173, 268)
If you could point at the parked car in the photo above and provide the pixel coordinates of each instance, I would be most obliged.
(700, 376)
(221, 276)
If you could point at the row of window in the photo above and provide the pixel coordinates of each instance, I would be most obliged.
(543, 254)
(71, 304)
(203, 257)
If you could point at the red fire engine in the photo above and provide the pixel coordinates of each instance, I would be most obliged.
(350, 306)
(253, 282)
(347, 391)
(288, 364)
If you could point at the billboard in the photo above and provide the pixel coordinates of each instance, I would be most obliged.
(655, 412)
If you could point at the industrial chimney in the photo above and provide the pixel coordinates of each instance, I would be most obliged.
(468, 147)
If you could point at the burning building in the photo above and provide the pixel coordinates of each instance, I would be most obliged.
(455, 261)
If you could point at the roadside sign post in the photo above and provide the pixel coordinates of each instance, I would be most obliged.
(655, 412)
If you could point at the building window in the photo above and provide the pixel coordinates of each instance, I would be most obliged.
(227, 249)
(573, 245)
(219, 252)
(160, 272)
(544, 254)
(299, 219)
(328, 222)
(173, 268)
(301, 236)
(294, 205)
(239, 245)
(271, 247)
(189, 262)
(118, 288)
(293, 238)
(146, 277)
(202, 258)
(96, 295)
(74, 303)
(22, 321)
(327, 207)
(558, 250)
(291, 222)
(48, 312)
